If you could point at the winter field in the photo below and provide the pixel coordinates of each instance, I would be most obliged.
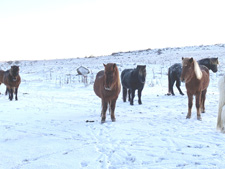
(56, 124)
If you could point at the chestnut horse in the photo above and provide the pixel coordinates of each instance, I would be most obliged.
(12, 80)
(221, 106)
(196, 78)
(107, 87)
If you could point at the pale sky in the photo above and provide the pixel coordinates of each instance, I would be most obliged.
(50, 29)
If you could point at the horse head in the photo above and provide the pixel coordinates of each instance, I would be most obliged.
(187, 66)
(111, 76)
(141, 73)
(14, 72)
(213, 64)
(190, 66)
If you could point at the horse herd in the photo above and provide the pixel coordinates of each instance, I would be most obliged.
(195, 75)
(107, 85)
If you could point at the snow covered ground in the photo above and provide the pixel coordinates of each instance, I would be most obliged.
(47, 127)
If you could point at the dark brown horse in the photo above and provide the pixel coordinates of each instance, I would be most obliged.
(107, 87)
(196, 80)
(1, 76)
(12, 80)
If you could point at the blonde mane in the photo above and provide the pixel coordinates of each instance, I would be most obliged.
(197, 70)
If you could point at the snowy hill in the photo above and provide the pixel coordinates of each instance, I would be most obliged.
(47, 128)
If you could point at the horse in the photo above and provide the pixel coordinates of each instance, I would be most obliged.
(196, 78)
(133, 79)
(1, 76)
(12, 80)
(107, 87)
(221, 105)
(174, 73)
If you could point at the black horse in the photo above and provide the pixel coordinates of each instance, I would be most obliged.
(174, 72)
(133, 79)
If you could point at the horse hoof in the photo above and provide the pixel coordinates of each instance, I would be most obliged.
(103, 121)
(188, 117)
(113, 120)
(199, 118)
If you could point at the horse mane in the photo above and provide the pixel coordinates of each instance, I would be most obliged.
(197, 70)
(117, 75)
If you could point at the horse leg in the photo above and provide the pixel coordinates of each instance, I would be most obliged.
(190, 102)
(223, 120)
(171, 86)
(10, 94)
(132, 97)
(16, 91)
(6, 91)
(124, 94)
(129, 94)
(198, 105)
(178, 87)
(219, 121)
(104, 109)
(203, 101)
(169, 83)
(139, 96)
(112, 107)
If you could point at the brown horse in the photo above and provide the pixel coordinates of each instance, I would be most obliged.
(1, 76)
(196, 81)
(12, 80)
(107, 87)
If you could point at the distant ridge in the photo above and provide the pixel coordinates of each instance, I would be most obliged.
(159, 50)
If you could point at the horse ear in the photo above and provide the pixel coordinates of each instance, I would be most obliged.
(104, 65)
(182, 58)
(114, 65)
(191, 60)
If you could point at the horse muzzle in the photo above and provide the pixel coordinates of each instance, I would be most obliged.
(107, 88)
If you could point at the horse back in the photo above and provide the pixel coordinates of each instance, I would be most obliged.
(131, 79)
(98, 84)
(126, 77)
(174, 72)
(205, 76)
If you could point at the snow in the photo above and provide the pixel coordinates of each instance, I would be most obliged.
(56, 122)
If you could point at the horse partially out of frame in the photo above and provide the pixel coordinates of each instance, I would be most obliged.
(221, 106)
(12, 80)
(174, 73)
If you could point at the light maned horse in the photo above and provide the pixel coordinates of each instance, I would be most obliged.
(221, 106)
(107, 87)
(12, 80)
(174, 73)
(196, 80)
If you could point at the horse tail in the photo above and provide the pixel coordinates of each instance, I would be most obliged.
(169, 82)
(221, 107)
